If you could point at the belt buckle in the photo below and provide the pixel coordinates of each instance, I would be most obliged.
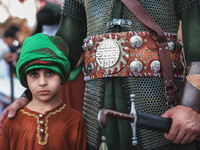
(119, 22)
(170, 94)
(107, 53)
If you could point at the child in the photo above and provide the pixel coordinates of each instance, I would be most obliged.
(45, 123)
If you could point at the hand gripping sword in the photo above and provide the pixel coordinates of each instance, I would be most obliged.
(137, 119)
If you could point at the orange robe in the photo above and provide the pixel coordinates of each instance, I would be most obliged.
(63, 127)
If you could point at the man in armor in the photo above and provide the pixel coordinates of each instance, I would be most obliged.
(103, 90)
(121, 58)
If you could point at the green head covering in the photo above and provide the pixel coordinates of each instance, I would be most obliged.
(43, 51)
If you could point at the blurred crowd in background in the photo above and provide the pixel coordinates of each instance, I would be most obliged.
(18, 20)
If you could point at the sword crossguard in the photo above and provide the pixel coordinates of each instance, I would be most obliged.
(133, 124)
(133, 111)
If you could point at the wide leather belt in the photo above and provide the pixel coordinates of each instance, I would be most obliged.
(130, 53)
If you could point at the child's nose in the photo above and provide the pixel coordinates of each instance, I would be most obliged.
(42, 81)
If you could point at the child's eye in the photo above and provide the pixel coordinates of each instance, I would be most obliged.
(33, 74)
(50, 73)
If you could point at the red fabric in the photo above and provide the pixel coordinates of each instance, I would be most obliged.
(72, 93)
(65, 129)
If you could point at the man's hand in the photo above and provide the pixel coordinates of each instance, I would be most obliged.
(185, 124)
(11, 110)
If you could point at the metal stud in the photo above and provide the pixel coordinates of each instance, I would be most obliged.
(90, 68)
(84, 46)
(84, 69)
(136, 41)
(194, 65)
(41, 115)
(174, 65)
(155, 66)
(90, 44)
(41, 130)
(172, 45)
(129, 23)
(136, 66)
(41, 122)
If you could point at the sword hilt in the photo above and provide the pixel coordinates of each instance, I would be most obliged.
(103, 113)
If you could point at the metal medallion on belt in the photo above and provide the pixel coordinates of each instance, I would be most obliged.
(107, 53)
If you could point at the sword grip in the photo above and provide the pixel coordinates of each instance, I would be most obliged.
(153, 122)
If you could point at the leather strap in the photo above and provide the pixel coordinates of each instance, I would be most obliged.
(158, 35)
(191, 91)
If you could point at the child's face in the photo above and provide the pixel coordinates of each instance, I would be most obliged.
(44, 84)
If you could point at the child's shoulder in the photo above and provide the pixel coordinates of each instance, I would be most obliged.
(73, 113)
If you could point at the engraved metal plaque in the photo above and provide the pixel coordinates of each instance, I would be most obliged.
(107, 53)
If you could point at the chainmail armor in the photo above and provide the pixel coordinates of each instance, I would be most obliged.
(75, 10)
(182, 5)
(98, 14)
(97, 19)
(165, 16)
(94, 93)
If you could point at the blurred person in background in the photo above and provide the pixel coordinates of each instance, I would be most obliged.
(7, 49)
(48, 18)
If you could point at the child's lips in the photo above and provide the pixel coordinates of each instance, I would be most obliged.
(43, 92)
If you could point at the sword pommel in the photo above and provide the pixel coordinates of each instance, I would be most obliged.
(103, 113)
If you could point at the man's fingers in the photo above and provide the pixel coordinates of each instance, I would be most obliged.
(0, 128)
(171, 136)
(167, 114)
(13, 109)
(189, 137)
(12, 112)
(4, 115)
(180, 136)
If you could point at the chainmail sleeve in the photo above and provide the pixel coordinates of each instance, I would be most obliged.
(74, 9)
(182, 5)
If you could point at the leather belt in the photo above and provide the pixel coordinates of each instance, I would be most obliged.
(130, 53)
